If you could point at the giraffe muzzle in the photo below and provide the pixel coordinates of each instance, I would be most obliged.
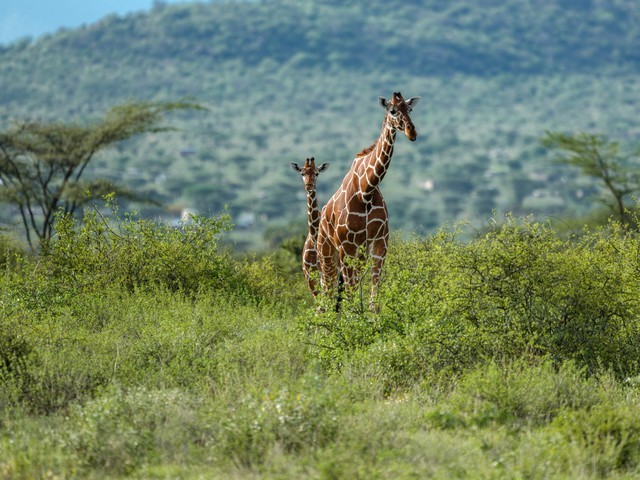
(411, 133)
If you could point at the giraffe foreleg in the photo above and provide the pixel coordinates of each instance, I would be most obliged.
(311, 277)
(328, 263)
(349, 269)
(378, 255)
(310, 266)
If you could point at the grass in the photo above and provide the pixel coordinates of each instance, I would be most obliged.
(248, 381)
(306, 425)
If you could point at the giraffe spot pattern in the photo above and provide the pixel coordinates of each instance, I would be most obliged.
(355, 219)
(310, 174)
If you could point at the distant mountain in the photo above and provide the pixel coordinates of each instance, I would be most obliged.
(287, 79)
(32, 18)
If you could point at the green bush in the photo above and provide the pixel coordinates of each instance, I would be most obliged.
(518, 290)
(519, 393)
(608, 434)
(302, 416)
(499, 357)
(15, 353)
(137, 253)
(48, 364)
(120, 430)
(10, 251)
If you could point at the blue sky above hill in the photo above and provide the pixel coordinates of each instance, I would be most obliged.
(33, 18)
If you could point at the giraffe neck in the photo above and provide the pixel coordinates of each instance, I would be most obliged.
(373, 166)
(313, 214)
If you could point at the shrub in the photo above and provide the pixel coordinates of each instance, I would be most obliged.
(520, 393)
(293, 418)
(518, 290)
(608, 434)
(138, 253)
(10, 251)
(120, 430)
(14, 360)
(44, 375)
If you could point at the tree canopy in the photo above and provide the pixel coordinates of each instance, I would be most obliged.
(42, 163)
(599, 158)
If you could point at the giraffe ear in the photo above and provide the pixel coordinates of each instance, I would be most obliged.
(383, 102)
(295, 166)
(323, 167)
(413, 101)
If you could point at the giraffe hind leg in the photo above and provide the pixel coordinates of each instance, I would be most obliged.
(328, 261)
(339, 292)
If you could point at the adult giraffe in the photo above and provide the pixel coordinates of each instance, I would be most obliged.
(354, 223)
(309, 173)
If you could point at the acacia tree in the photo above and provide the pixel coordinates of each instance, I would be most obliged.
(41, 164)
(601, 159)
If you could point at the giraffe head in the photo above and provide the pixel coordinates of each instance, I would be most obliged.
(309, 171)
(398, 110)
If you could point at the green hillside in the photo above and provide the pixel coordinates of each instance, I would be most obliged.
(289, 79)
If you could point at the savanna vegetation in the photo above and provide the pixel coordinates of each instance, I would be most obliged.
(505, 346)
(285, 80)
(42, 164)
(132, 349)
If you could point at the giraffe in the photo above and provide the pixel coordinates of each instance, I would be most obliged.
(309, 173)
(354, 223)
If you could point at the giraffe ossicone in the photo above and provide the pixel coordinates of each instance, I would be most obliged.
(309, 173)
(354, 224)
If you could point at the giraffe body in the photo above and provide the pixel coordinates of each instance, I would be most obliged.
(354, 223)
(309, 173)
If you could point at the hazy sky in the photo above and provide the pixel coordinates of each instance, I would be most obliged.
(22, 18)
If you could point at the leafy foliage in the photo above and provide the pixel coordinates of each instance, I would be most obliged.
(131, 348)
(285, 80)
(137, 253)
(600, 159)
(515, 354)
(519, 290)
(42, 164)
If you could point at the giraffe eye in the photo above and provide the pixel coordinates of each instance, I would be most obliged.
(393, 111)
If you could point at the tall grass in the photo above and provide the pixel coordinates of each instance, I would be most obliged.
(510, 356)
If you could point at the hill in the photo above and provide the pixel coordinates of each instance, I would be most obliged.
(289, 79)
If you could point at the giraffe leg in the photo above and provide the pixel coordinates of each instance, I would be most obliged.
(328, 262)
(378, 255)
(329, 267)
(310, 266)
(348, 267)
(310, 278)
(352, 262)
(346, 279)
(305, 270)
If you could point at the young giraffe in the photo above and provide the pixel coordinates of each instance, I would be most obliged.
(354, 222)
(309, 174)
